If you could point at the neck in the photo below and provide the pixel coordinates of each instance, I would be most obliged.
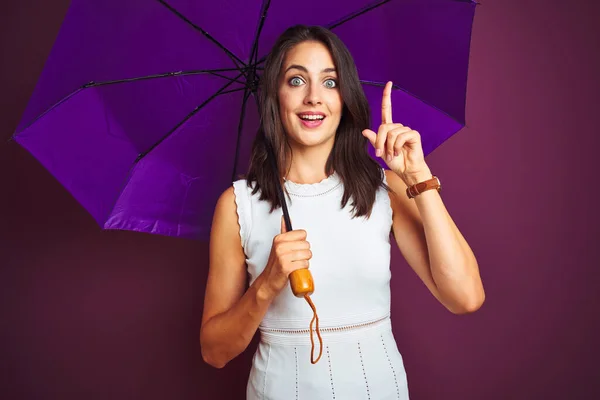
(307, 165)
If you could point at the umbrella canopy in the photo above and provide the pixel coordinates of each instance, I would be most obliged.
(145, 112)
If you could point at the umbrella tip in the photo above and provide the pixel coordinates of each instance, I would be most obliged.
(12, 138)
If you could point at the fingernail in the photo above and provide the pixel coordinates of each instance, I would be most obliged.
(389, 158)
(395, 154)
(378, 152)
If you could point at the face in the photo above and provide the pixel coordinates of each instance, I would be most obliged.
(310, 103)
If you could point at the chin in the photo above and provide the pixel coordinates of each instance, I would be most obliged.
(311, 138)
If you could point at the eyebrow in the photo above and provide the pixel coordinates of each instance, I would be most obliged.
(301, 68)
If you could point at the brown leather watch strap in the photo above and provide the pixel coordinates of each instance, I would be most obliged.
(418, 188)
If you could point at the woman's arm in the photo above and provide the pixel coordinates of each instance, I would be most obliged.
(231, 317)
(434, 247)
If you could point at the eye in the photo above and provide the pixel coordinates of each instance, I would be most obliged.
(295, 81)
(330, 83)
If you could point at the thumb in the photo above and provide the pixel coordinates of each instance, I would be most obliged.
(369, 134)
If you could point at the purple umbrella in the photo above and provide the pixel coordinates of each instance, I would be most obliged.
(145, 111)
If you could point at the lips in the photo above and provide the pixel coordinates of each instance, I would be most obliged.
(311, 119)
(311, 124)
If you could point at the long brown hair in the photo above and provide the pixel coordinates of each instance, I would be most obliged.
(360, 174)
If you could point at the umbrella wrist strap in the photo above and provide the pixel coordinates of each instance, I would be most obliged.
(315, 320)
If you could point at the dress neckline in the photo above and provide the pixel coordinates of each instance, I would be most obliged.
(313, 189)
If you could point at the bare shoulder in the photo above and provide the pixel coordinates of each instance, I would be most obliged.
(227, 261)
(225, 230)
(226, 207)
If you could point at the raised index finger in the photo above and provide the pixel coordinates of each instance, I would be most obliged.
(386, 104)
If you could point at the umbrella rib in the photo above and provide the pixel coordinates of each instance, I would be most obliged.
(355, 14)
(347, 18)
(394, 86)
(228, 78)
(58, 103)
(187, 117)
(247, 93)
(234, 90)
(164, 75)
(155, 76)
(263, 16)
(233, 57)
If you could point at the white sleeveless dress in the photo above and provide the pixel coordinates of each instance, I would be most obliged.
(351, 272)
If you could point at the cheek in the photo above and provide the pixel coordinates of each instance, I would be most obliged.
(284, 112)
(336, 105)
(284, 104)
(284, 98)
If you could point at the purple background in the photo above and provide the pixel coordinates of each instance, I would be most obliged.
(92, 314)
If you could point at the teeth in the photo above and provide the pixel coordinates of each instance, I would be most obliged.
(312, 117)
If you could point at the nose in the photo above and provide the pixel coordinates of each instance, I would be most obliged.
(313, 94)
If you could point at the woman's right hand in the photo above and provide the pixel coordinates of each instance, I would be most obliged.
(290, 252)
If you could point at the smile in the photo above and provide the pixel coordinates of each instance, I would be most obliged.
(311, 117)
(311, 120)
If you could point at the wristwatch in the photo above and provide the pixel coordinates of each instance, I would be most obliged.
(418, 188)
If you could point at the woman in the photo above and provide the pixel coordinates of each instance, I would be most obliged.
(343, 207)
